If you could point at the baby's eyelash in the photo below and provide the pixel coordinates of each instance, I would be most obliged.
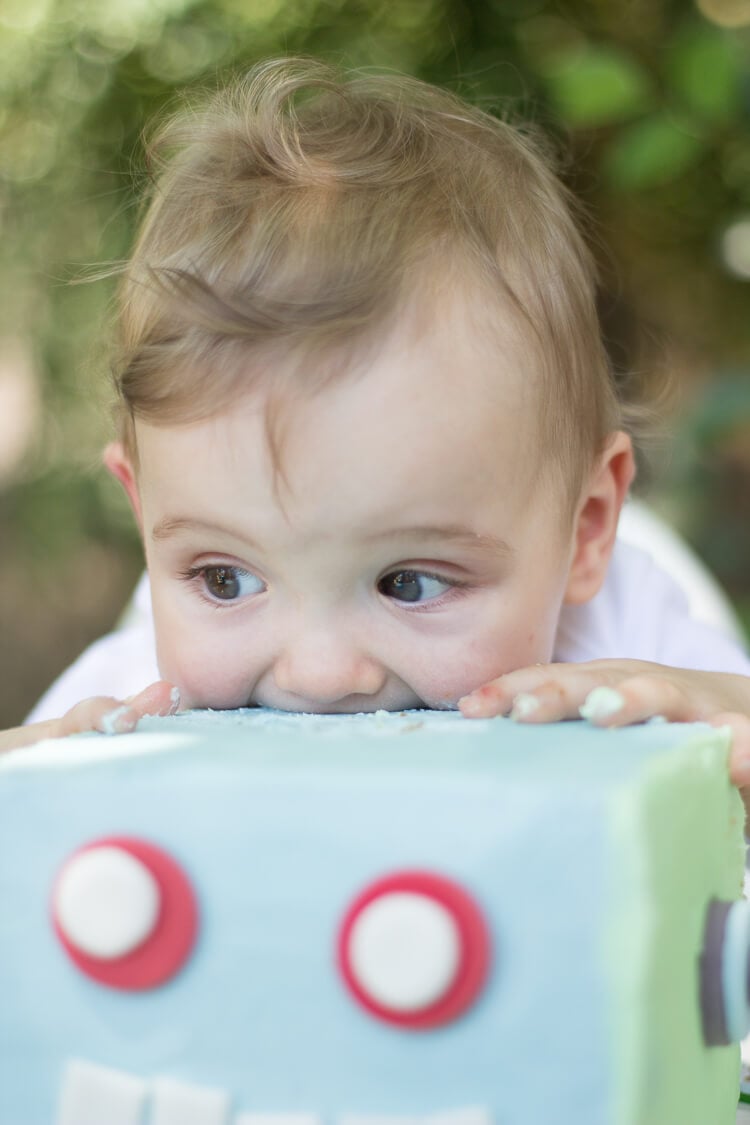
(448, 579)
(190, 573)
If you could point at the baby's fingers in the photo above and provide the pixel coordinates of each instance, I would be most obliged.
(112, 716)
(161, 698)
(543, 693)
(637, 699)
(89, 715)
(608, 693)
(555, 699)
(590, 693)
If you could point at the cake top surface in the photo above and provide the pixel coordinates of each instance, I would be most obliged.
(442, 741)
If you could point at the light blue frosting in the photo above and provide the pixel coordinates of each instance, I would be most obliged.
(280, 822)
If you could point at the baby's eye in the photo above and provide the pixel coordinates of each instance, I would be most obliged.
(230, 582)
(412, 586)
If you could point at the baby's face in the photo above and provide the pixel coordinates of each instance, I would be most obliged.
(414, 556)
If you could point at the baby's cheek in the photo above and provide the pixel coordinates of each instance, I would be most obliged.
(446, 679)
(205, 677)
(483, 659)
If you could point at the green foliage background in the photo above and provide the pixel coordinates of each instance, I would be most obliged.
(651, 98)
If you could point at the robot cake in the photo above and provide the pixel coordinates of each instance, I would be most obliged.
(251, 918)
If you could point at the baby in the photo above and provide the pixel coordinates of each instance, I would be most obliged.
(370, 435)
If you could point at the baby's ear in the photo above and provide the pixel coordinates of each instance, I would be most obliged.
(120, 466)
(597, 515)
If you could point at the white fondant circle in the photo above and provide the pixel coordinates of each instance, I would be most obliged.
(106, 902)
(734, 971)
(405, 950)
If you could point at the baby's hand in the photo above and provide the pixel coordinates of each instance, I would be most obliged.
(615, 693)
(110, 716)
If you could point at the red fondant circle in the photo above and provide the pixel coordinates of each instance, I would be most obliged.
(167, 947)
(474, 939)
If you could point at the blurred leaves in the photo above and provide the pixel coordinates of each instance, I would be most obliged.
(592, 85)
(706, 71)
(721, 412)
(652, 151)
(710, 479)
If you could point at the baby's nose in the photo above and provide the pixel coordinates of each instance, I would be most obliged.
(322, 668)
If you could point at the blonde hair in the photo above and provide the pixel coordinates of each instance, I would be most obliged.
(292, 213)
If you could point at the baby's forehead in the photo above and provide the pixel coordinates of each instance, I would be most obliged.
(441, 351)
(430, 406)
(448, 357)
(440, 395)
(456, 327)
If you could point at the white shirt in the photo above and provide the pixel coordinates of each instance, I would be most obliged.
(640, 613)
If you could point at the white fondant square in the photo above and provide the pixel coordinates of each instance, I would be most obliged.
(470, 1115)
(181, 1103)
(93, 1094)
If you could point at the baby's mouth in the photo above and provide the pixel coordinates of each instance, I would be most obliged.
(91, 1093)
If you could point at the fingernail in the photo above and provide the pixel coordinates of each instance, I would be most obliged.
(161, 711)
(524, 705)
(470, 705)
(115, 722)
(601, 703)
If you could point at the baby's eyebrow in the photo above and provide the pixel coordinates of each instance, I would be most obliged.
(173, 525)
(453, 533)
